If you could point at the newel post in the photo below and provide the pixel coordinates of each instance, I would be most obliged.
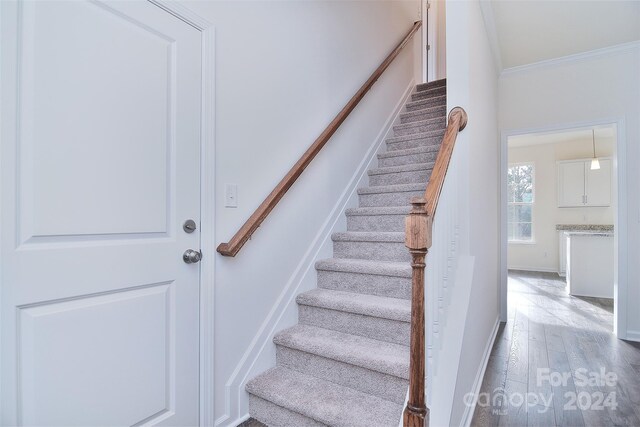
(418, 240)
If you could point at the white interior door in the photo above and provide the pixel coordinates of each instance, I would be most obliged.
(100, 167)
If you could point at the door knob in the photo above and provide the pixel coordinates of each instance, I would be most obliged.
(191, 257)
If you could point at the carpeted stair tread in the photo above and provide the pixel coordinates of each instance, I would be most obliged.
(396, 188)
(427, 125)
(442, 109)
(350, 302)
(427, 122)
(409, 151)
(364, 236)
(379, 356)
(432, 92)
(324, 401)
(426, 86)
(379, 210)
(361, 266)
(436, 100)
(418, 135)
(400, 169)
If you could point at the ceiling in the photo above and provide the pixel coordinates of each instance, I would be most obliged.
(533, 31)
(604, 133)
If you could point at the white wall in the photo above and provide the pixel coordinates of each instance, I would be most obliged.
(472, 84)
(591, 88)
(283, 69)
(542, 255)
(438, 39)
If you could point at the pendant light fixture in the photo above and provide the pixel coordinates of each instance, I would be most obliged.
(595, 163)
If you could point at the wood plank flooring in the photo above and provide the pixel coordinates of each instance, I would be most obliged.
(543, 367)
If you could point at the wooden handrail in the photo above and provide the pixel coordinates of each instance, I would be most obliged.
(251, 225)
(418, 238)
(457, 121)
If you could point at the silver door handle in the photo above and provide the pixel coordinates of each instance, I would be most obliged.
(191, 257)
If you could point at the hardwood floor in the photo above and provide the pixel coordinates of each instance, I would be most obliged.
(557, 363)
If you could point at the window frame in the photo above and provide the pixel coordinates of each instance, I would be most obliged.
(531, 241)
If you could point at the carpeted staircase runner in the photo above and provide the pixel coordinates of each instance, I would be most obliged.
(347, 361)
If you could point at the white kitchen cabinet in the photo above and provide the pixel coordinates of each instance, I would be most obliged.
(571, 188)
(562, 253)
(590, 264)
(598, 184)
(579, 186)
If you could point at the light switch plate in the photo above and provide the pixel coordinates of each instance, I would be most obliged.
(231, 195)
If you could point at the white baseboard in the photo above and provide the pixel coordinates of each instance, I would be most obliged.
(260, 355)
(534, 269)
(633, 336)
(467, 417)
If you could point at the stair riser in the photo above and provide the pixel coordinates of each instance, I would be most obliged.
(402, 130)
(370, 284)
(409, 159)
(425, 94)
(375, 222)
(409, 177)
(379, 251)
(415, 143)
(388, 199)
(358, 378)
(427, 103)
(430, 85)
(274, 415)
(419, 115)
(393, 331)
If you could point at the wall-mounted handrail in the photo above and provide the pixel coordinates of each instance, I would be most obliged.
(418, 238)
(251, 225)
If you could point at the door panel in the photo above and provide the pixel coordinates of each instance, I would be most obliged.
(49, 369)
(571, 184)
(599, 184)
(100, 165)
(82, 64)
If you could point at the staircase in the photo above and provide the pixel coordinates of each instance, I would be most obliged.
(347, 361)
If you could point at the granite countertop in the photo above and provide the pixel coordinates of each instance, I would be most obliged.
(586, 228)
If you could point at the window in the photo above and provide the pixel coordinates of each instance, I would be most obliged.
(520, 188)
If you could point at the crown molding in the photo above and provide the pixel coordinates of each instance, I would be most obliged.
(596, 53)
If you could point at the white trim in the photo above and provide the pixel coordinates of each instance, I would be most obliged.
(259, 353)
(523, 242)
(207, 205)
(207, 231)
(620, 220)
(432, 40)
(534, 269)
(467, 416)
(183, 13)
(424, 54)
(633, 336)
(492, 34)
(606, 51)
(235, 422)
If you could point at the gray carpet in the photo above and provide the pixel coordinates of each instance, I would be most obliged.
(347, 362)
